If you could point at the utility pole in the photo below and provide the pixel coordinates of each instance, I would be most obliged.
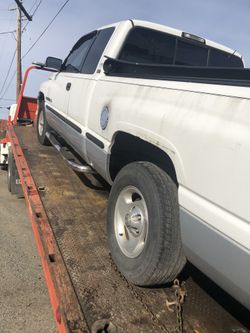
(20, 10)
(19, 53)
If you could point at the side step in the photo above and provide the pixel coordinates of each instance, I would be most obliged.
(68, 156)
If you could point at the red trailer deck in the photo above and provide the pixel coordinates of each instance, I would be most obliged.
(68, 215)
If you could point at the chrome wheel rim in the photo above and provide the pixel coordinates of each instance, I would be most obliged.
(131, 221)
(41, 123)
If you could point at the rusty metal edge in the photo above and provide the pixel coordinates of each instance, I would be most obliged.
(66, 308)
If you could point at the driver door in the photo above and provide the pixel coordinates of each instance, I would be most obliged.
(57, 99)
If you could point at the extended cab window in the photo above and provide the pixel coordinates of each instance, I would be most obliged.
(144, 45)
(96, 51)
(219, 58)
(190, 54)
(73, 63)
(148, 46)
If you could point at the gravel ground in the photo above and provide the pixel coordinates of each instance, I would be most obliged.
(24, 301)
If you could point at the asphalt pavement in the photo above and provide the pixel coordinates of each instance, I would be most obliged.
(24, 300)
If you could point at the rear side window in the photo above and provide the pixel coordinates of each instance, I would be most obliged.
(96, 50)
(73, 63)
(219, 58)
(189, 54)
(148, 46)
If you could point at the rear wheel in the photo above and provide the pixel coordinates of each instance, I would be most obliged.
(42, 126)
(143, 225)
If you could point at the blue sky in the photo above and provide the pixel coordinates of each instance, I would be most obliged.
(223, 21)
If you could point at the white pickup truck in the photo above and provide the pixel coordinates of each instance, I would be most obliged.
(164, 117)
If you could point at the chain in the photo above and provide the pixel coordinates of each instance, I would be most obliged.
(176, 304)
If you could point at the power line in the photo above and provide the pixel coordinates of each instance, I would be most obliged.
(7, 99)
(6, 89)
(33, 6)
(39, 37)
(12, 60)
(3, 40)
(4, 19)
(8, 72)
(47, 27)
(11, 63)
(39, 4)
(7, 32)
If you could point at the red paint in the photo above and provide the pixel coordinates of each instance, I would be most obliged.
(46, 243)
(58, 316)
(26, 106)
(5, 140)
(41, 228)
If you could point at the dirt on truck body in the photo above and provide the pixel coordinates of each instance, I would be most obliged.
(76, 209)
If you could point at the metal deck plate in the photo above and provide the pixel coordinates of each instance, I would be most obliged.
(76, 208)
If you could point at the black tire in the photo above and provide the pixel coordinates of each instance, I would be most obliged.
(162, 258)
(10, 178)
(41, 134)
(13, 180)
(3, 135)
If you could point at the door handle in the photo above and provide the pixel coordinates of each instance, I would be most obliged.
(68, 86)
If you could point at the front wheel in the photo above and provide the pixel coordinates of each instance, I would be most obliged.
(42, 126)
(143, 225)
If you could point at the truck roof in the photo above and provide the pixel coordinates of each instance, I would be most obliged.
(173, 31)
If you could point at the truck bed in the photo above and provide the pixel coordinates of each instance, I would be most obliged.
(76, 209)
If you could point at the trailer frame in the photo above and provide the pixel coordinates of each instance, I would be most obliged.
(66, 309)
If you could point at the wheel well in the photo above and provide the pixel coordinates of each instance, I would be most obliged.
(128, 148)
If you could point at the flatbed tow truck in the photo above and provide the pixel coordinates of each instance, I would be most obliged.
(67, 213)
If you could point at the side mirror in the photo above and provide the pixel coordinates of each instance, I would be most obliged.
(54, 63)
(107, 65)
